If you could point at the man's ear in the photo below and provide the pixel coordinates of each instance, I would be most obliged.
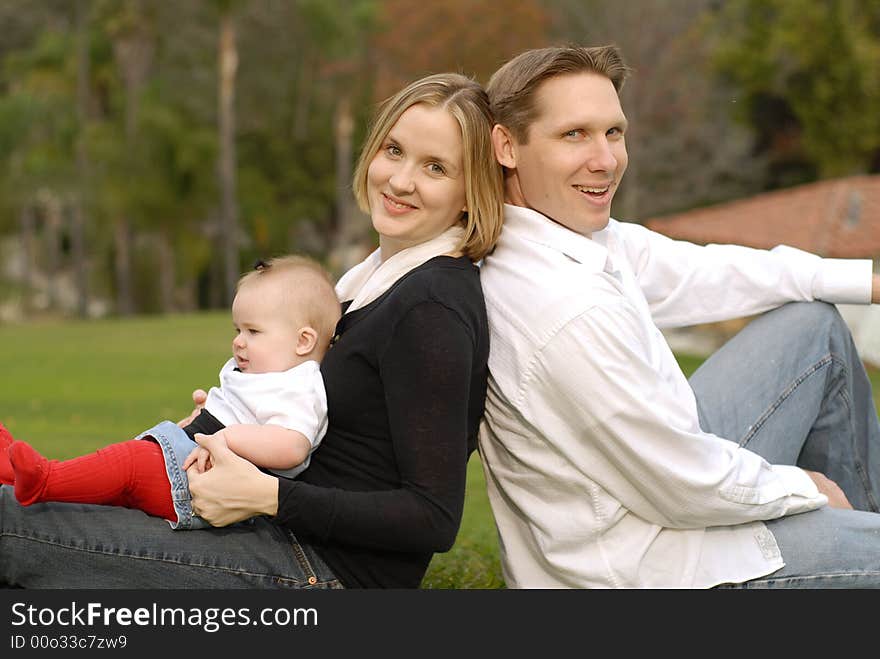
(306, 340)
(505, 146)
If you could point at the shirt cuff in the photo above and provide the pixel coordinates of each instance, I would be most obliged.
(843, 281)
(801, 487)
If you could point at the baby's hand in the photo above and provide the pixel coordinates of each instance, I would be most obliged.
(200, 457)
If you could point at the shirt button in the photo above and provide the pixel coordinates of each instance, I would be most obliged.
(313, 581)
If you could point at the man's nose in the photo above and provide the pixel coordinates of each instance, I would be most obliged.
(602, 158)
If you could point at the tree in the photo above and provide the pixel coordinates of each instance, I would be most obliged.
(131, 29)
(36, 145)
(78, 219)
(227, 66)
(809, 77)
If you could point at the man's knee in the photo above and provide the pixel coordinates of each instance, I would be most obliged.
(814, 317)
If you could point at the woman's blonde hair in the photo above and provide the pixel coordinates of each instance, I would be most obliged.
(468, 104)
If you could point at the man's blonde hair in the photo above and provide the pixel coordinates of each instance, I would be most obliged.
(308, 289)
(513, 87)
(468, 104)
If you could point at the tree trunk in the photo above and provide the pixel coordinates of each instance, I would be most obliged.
(304, 87)
(228, 64)
(52, 211)
(167, 271)
(78, 221)
(122, 263)
(80, 259)
(351, 228)
(27, 222)
(133, 49)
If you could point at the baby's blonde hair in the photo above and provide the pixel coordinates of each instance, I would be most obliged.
(308, 292)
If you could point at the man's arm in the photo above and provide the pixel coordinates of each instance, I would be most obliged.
(687, 284)
(875, 289)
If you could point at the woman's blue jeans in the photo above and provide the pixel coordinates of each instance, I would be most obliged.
(792, 388)
(65, 545)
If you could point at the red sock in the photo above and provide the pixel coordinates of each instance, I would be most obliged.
(130, 474)
(5, 438)
(7, 477)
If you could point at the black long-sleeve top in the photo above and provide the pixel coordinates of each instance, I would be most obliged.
(406, 383)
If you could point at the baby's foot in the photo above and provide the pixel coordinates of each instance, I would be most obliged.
(31, 472)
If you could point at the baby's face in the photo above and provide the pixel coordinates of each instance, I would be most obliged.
(265, 331)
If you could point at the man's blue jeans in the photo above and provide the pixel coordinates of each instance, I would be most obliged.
(792, 388)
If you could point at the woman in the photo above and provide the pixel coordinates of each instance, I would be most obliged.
(405, 384)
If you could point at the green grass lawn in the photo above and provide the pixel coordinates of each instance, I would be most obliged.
(70, 387)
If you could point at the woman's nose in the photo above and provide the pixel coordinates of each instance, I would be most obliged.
(402, 181)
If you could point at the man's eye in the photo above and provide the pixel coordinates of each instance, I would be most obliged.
(577, 132)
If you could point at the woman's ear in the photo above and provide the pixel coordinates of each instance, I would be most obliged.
(505, 146)
(306, 340)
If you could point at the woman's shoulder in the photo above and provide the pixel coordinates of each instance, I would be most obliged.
(453, 281)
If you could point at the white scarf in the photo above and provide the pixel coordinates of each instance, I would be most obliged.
(371, 277)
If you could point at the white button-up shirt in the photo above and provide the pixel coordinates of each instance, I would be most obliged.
(598, 472)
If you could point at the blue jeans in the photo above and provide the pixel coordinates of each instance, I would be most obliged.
(67, 545)
(792, 388)
(176, 446)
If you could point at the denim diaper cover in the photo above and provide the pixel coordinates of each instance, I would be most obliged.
(176, 445)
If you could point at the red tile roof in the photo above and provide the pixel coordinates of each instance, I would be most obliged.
(839, 218)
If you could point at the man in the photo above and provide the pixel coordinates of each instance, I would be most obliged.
(605, 466)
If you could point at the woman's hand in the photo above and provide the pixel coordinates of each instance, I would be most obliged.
(233, 489)
(199, 397)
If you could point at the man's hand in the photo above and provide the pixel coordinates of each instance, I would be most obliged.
(836, 497)
(199, 397)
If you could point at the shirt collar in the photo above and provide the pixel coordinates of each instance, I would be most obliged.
(534, 227)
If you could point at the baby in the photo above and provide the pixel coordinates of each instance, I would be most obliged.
(271, 406)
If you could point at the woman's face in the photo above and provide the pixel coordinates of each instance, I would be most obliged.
(415, 182)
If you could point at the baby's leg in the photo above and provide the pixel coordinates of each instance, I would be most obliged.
(6, 475)
(129, 474)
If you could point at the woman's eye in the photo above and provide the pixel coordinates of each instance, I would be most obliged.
(434, 168)
(393, 150)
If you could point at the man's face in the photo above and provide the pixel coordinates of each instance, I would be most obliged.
(575, 156)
